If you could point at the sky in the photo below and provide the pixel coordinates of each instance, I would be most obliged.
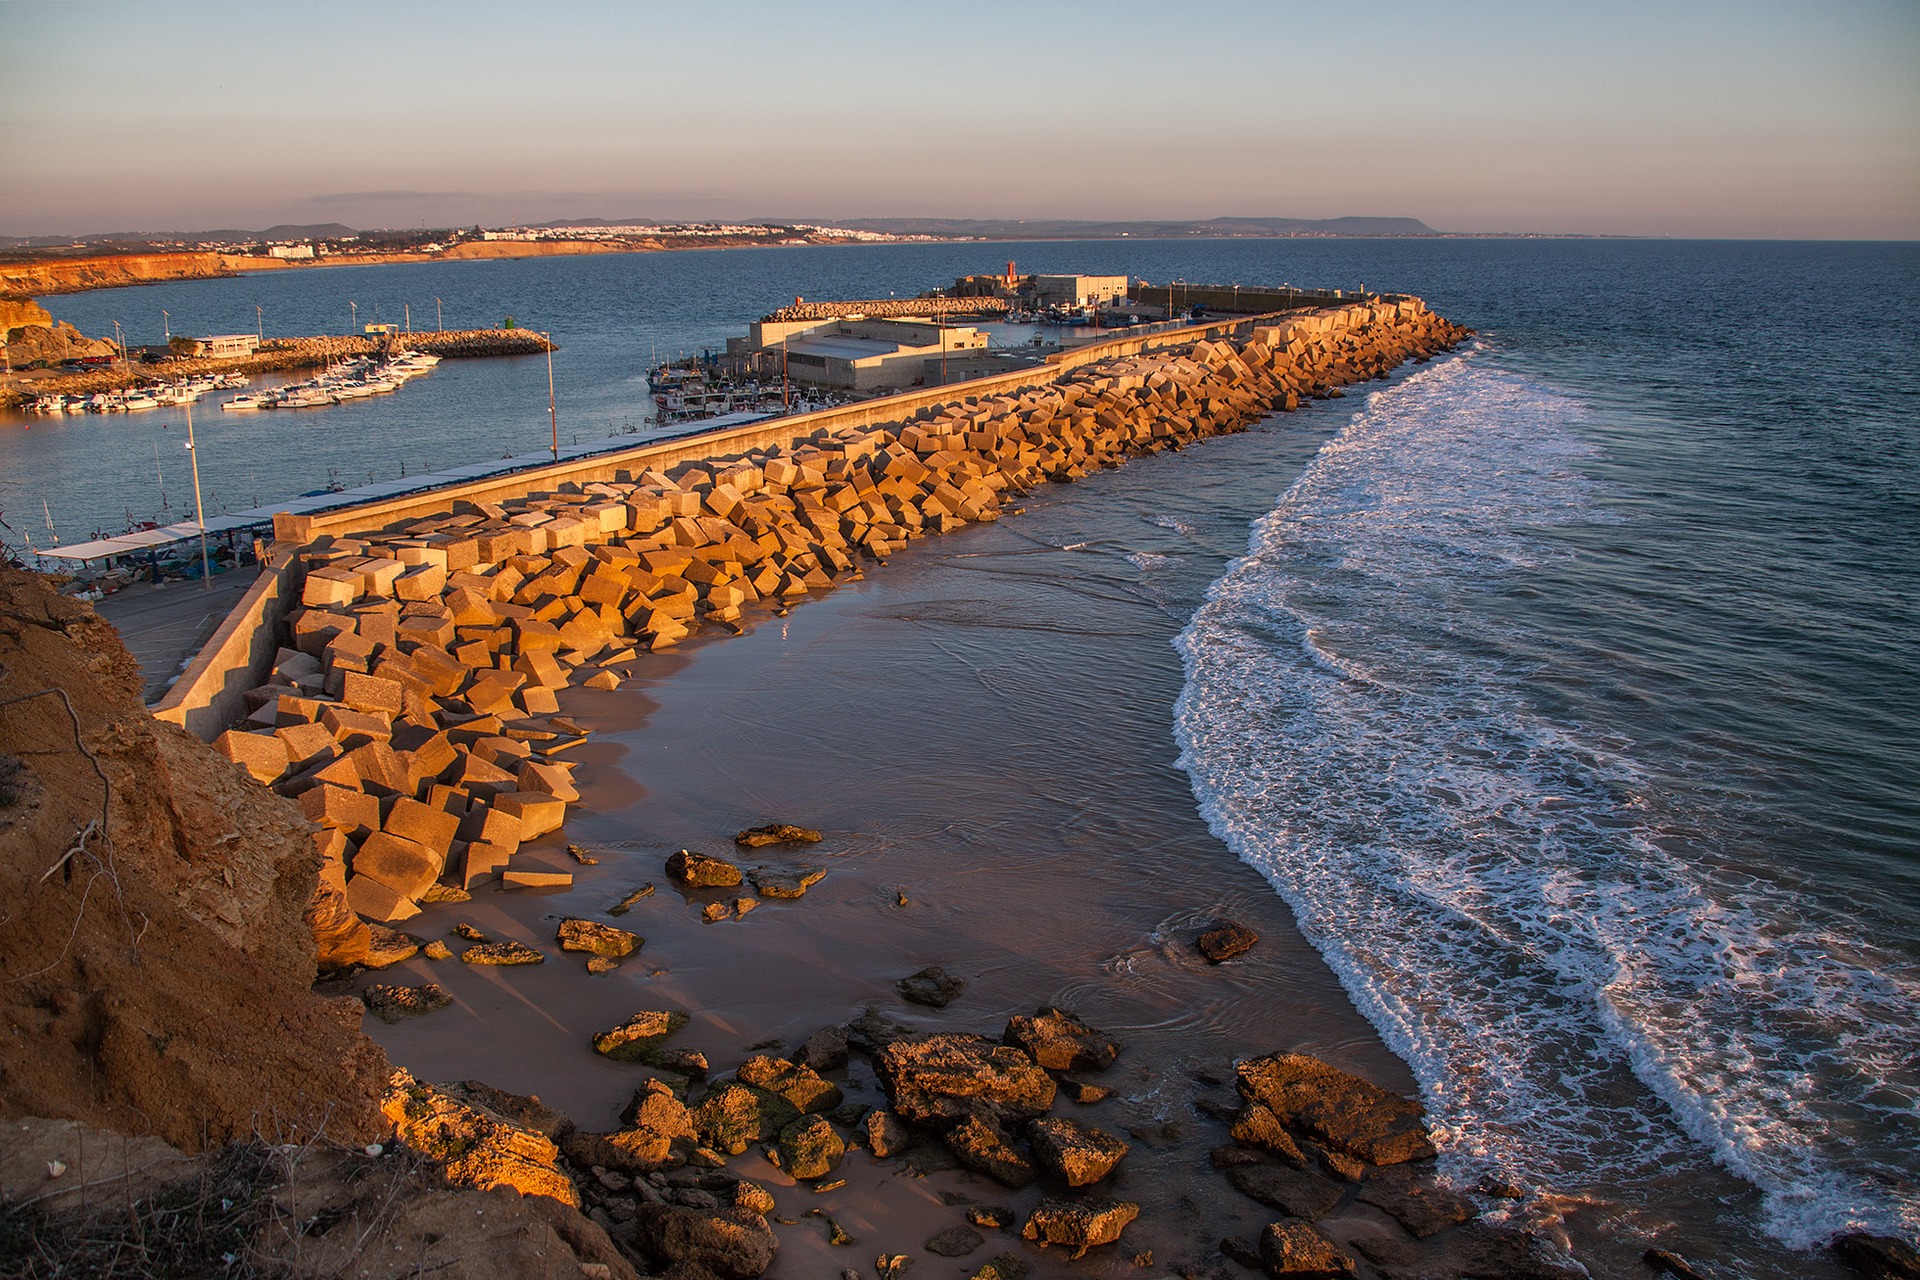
(1688, 118)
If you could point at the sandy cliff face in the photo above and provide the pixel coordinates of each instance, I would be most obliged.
(154, 962)
(75, 275)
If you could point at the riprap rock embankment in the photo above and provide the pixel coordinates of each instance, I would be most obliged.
(412, 710)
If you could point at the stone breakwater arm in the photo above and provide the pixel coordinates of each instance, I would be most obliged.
(412, 709)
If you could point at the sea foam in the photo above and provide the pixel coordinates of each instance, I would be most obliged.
(1501, 891)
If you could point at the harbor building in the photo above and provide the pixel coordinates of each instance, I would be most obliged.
(853, 352)
(218, 346)
(1077, 291)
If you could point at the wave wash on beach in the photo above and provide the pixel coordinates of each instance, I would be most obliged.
(1590, 1006)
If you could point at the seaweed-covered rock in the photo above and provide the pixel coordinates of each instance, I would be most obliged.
(1079, 1224)
(646, 1030)
(983, 1148)
(702, 871)
(810, 1147)
(1059, 1041)
(802, 1086)
(598, 939)
(391, 1003)
(1077, 1154)
(786, 882)
(734, 1116)
(776, 833)
(501, 953)
(941, 1080)
(728, 1244)
(1343, 1111)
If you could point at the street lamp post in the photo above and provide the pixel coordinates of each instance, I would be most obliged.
(259, 324)
(553, 413)
(199, 511)
(166, 324)
(438, 327)
(353, 318)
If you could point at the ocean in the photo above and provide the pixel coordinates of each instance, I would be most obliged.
(1563, 688)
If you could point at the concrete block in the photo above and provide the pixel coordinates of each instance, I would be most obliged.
(478, 776)
(547, 779)
(482, 862)
(404, 865)
(485, 824)
(426, 553)
(427, 630)
(381, 768)
(432, 828)
(422, 582)
(537, 700)
(261, 754)
(541, 668)
(348, 725)
(307, 743)
(371, 693)
(538, 813)
(377, 900)
(537, 879)
(491, 692)
(443, 674)
(353, 812)
(328, 587)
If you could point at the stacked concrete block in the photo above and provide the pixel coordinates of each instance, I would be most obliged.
(413, 712)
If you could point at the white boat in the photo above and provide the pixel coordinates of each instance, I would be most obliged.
(247, 403)
(138, 401)
(306, 398)
(50, 404)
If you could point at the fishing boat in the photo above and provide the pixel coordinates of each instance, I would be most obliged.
(248, 403)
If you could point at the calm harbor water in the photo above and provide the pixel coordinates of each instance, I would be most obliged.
(1566, 695)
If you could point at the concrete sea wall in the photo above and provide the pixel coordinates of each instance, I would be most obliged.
(396, 672)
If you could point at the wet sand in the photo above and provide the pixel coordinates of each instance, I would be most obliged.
(982, 730)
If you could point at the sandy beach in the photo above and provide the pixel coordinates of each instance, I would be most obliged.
(981, 727)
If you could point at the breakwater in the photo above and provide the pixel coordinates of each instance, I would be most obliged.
(411, 704)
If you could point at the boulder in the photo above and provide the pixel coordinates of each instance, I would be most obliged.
(727, 1244)
(941, 1080)
(643, 1031)
(393, 1003)
(1259, 1128)
(1226, 940)
(1059, 1041)
(955, 1242)
(1294, 1192)
(984, 1148)
(702, 871)
(1878, 1257)
(932, 986)
(1302, 1251)
(597, 939)
(810, 1147)
(776, 833)
(1077, 1154)
(477, 1147)
(734, 1116)
(502, 953)
(886, 1136)
(1079, 1224)
(1341, 1110)
(786, 882)
(1415, 1200)
(802, 1086)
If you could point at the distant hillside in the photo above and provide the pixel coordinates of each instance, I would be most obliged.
(1071, 229)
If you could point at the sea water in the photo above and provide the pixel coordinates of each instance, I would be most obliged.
(1567, 695)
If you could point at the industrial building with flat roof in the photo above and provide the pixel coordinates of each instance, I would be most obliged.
(852, 353)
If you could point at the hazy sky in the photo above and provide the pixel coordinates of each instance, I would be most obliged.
(1676, 117)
